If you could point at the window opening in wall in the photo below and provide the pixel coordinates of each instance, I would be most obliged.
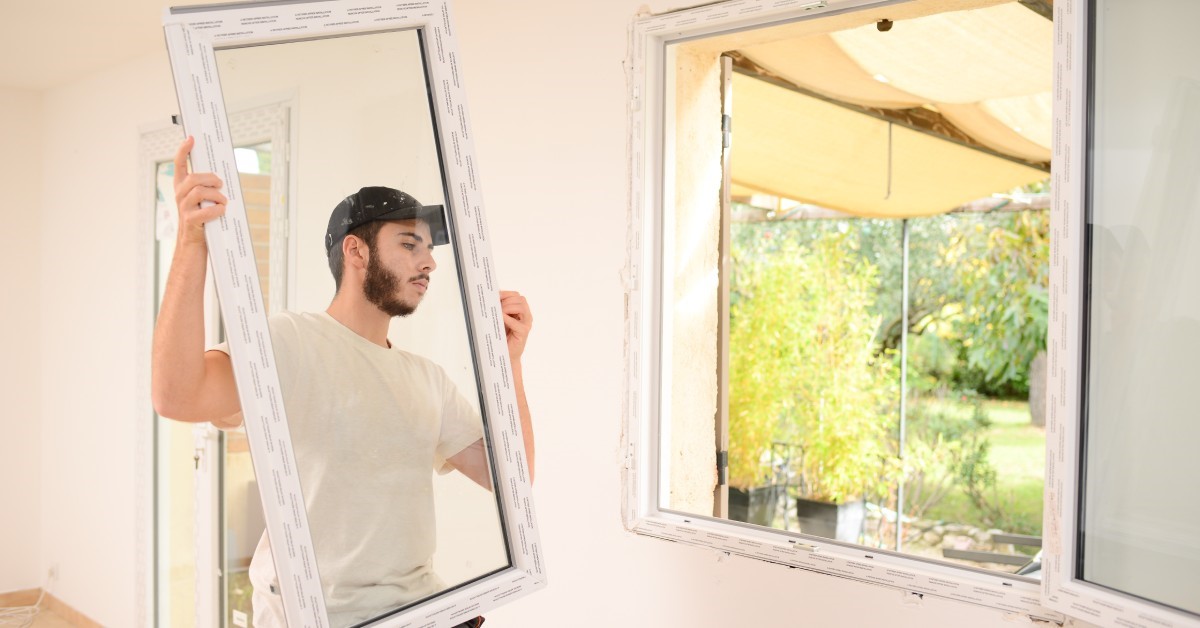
(886, 275)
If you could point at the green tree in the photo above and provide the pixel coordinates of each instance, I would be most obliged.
(1003, 266)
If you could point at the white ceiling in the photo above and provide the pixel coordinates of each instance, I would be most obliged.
(45, 43)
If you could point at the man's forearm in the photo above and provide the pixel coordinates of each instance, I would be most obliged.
(526, 420)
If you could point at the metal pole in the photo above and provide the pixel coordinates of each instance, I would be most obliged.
(903, 372)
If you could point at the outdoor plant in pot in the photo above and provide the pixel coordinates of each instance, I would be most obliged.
(803, 371)
(754, 409)
(844, 461)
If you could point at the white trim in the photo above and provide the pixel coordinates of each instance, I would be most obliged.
(191, 39)
(1061, 589)
(645, 348)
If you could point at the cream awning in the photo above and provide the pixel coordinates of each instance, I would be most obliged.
(986, 72)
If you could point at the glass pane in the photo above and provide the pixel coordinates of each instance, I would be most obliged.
(814, 385)
(371, 425)
(974, 443)
(175, 451)
(1140, 510)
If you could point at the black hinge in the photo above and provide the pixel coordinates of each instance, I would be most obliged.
(722, 467)
(726, 131)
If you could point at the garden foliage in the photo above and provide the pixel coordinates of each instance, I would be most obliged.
(802, 367)
(814, 336)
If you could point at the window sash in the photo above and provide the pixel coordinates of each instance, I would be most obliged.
(1064, 590)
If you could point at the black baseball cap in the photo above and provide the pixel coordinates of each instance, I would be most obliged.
(379, 203)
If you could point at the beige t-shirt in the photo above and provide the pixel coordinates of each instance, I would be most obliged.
(369, 425)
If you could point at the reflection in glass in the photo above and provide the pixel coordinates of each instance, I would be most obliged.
(1140, 510)
(362, 118)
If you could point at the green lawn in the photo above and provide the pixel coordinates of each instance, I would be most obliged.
(1018, 453)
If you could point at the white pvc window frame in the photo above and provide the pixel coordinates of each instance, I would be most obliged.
(193, 35)
(1063, 591)
(647, 356)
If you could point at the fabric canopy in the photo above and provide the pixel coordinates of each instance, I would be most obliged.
(985, 71)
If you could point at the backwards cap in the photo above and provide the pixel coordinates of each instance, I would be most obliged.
(380, 203)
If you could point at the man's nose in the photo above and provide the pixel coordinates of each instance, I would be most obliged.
(429, 264)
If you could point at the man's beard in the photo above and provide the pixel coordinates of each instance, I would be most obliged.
(380, 287)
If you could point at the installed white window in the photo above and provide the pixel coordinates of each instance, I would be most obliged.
(842, 287)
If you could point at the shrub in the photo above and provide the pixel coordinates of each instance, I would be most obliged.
(803, 369)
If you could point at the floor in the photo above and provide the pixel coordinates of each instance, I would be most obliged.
(52, 612)
(49, 619)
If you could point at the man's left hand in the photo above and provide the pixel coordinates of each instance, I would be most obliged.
(518, 320)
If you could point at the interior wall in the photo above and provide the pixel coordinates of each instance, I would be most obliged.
(694, 307)
(548, 105)
(89, 269)
(20, 437)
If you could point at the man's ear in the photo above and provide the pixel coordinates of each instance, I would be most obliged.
(355, 252)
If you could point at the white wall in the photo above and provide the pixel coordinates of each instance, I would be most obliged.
(89, 274)
(20, 436)
(547, 92)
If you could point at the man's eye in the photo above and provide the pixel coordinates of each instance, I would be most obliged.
(410, 246)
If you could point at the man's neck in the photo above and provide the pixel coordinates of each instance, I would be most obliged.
(361, 317)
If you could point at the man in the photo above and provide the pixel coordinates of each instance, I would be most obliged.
(369, 422)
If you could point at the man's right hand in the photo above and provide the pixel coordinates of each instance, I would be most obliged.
(191, 190)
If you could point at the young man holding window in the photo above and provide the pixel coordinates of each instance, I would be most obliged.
(369, 422)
